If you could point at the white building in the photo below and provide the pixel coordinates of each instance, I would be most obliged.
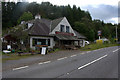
(53, 33)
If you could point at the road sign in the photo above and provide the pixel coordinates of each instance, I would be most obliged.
(99, 33)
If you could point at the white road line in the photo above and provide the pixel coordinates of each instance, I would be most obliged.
(20, 68)
(61, 58)
(46, 62)
(116, 50)
(40, 63)
(95, 50)
(68, 73)
(92, 62)
(73, 55)
(88, 51)
(82, 53)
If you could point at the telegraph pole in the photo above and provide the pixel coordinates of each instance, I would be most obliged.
(116, 34)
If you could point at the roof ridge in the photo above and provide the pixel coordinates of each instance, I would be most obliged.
(58, 18)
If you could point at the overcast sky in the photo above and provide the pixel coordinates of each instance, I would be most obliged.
(106, 10)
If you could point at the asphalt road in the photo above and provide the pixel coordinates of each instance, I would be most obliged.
(101, 63)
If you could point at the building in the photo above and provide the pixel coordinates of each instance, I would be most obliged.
(52, 33)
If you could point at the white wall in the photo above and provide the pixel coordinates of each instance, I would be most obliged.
(29, 25)
(83, 43)
(37, 17)
(65, 23)
(52, 42)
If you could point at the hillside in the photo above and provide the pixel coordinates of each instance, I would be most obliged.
(79, 19)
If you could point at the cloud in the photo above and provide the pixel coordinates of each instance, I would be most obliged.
(103, 12)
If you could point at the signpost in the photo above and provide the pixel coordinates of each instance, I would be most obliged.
(99, 34)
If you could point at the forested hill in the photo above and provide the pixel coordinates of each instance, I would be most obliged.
(80, 20)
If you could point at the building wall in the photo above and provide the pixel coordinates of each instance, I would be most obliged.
(52, 42)
(81, 43)
(63, 22)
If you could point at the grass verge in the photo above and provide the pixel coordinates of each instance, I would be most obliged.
(95, 46)
(16, 57)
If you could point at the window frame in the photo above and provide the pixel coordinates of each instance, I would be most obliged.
(67, 27)
(62, 28)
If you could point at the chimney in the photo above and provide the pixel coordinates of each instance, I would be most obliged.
(37, 16)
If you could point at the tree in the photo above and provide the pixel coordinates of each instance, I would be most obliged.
(20, 34)
(25, 17)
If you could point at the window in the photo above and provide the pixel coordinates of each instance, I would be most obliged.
(48, 42)
(61, 28)
(41, 42)
(29, 25)
(67, 29)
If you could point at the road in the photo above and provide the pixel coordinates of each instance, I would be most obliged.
(100, 63)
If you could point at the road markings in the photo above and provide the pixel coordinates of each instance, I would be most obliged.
(82, 53)
(20, 68)
(92, 62)
(73, 55)
(40, 63)
(95, 50)
(88, 51)
(68, 73)
(61, 58)
(116, 50)
(46, 62)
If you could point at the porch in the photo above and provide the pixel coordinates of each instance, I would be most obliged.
(67, 41)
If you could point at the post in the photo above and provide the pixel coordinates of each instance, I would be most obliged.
(99, 37)
(99, 34)
(116, 34)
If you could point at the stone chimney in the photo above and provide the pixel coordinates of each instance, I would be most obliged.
(37, 16)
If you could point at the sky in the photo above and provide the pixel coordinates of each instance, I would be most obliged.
(105, 10)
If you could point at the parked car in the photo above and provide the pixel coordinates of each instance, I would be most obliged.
(87, 42)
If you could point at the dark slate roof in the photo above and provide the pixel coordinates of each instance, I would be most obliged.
(43, 26)
(80, 36)
(55, 22)
(46, 21)
(39, 28)
(66, 37)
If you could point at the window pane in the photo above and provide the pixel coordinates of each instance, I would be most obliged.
(48, 42)
(67, 28)
(61, 28)
(39, 42)
(34, 42)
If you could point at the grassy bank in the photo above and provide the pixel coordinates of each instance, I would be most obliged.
(94, 46)
(16, 57)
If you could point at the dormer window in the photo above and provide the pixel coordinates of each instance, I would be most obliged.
(61, 28)
(37, 16)
(67, 29)
(29, 25)
(22, 22)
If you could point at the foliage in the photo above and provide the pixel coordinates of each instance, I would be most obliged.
(20, 34)
(81, 21)
(95, 46)
(25, 17)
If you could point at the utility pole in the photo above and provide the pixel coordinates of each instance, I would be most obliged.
(116, 34)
